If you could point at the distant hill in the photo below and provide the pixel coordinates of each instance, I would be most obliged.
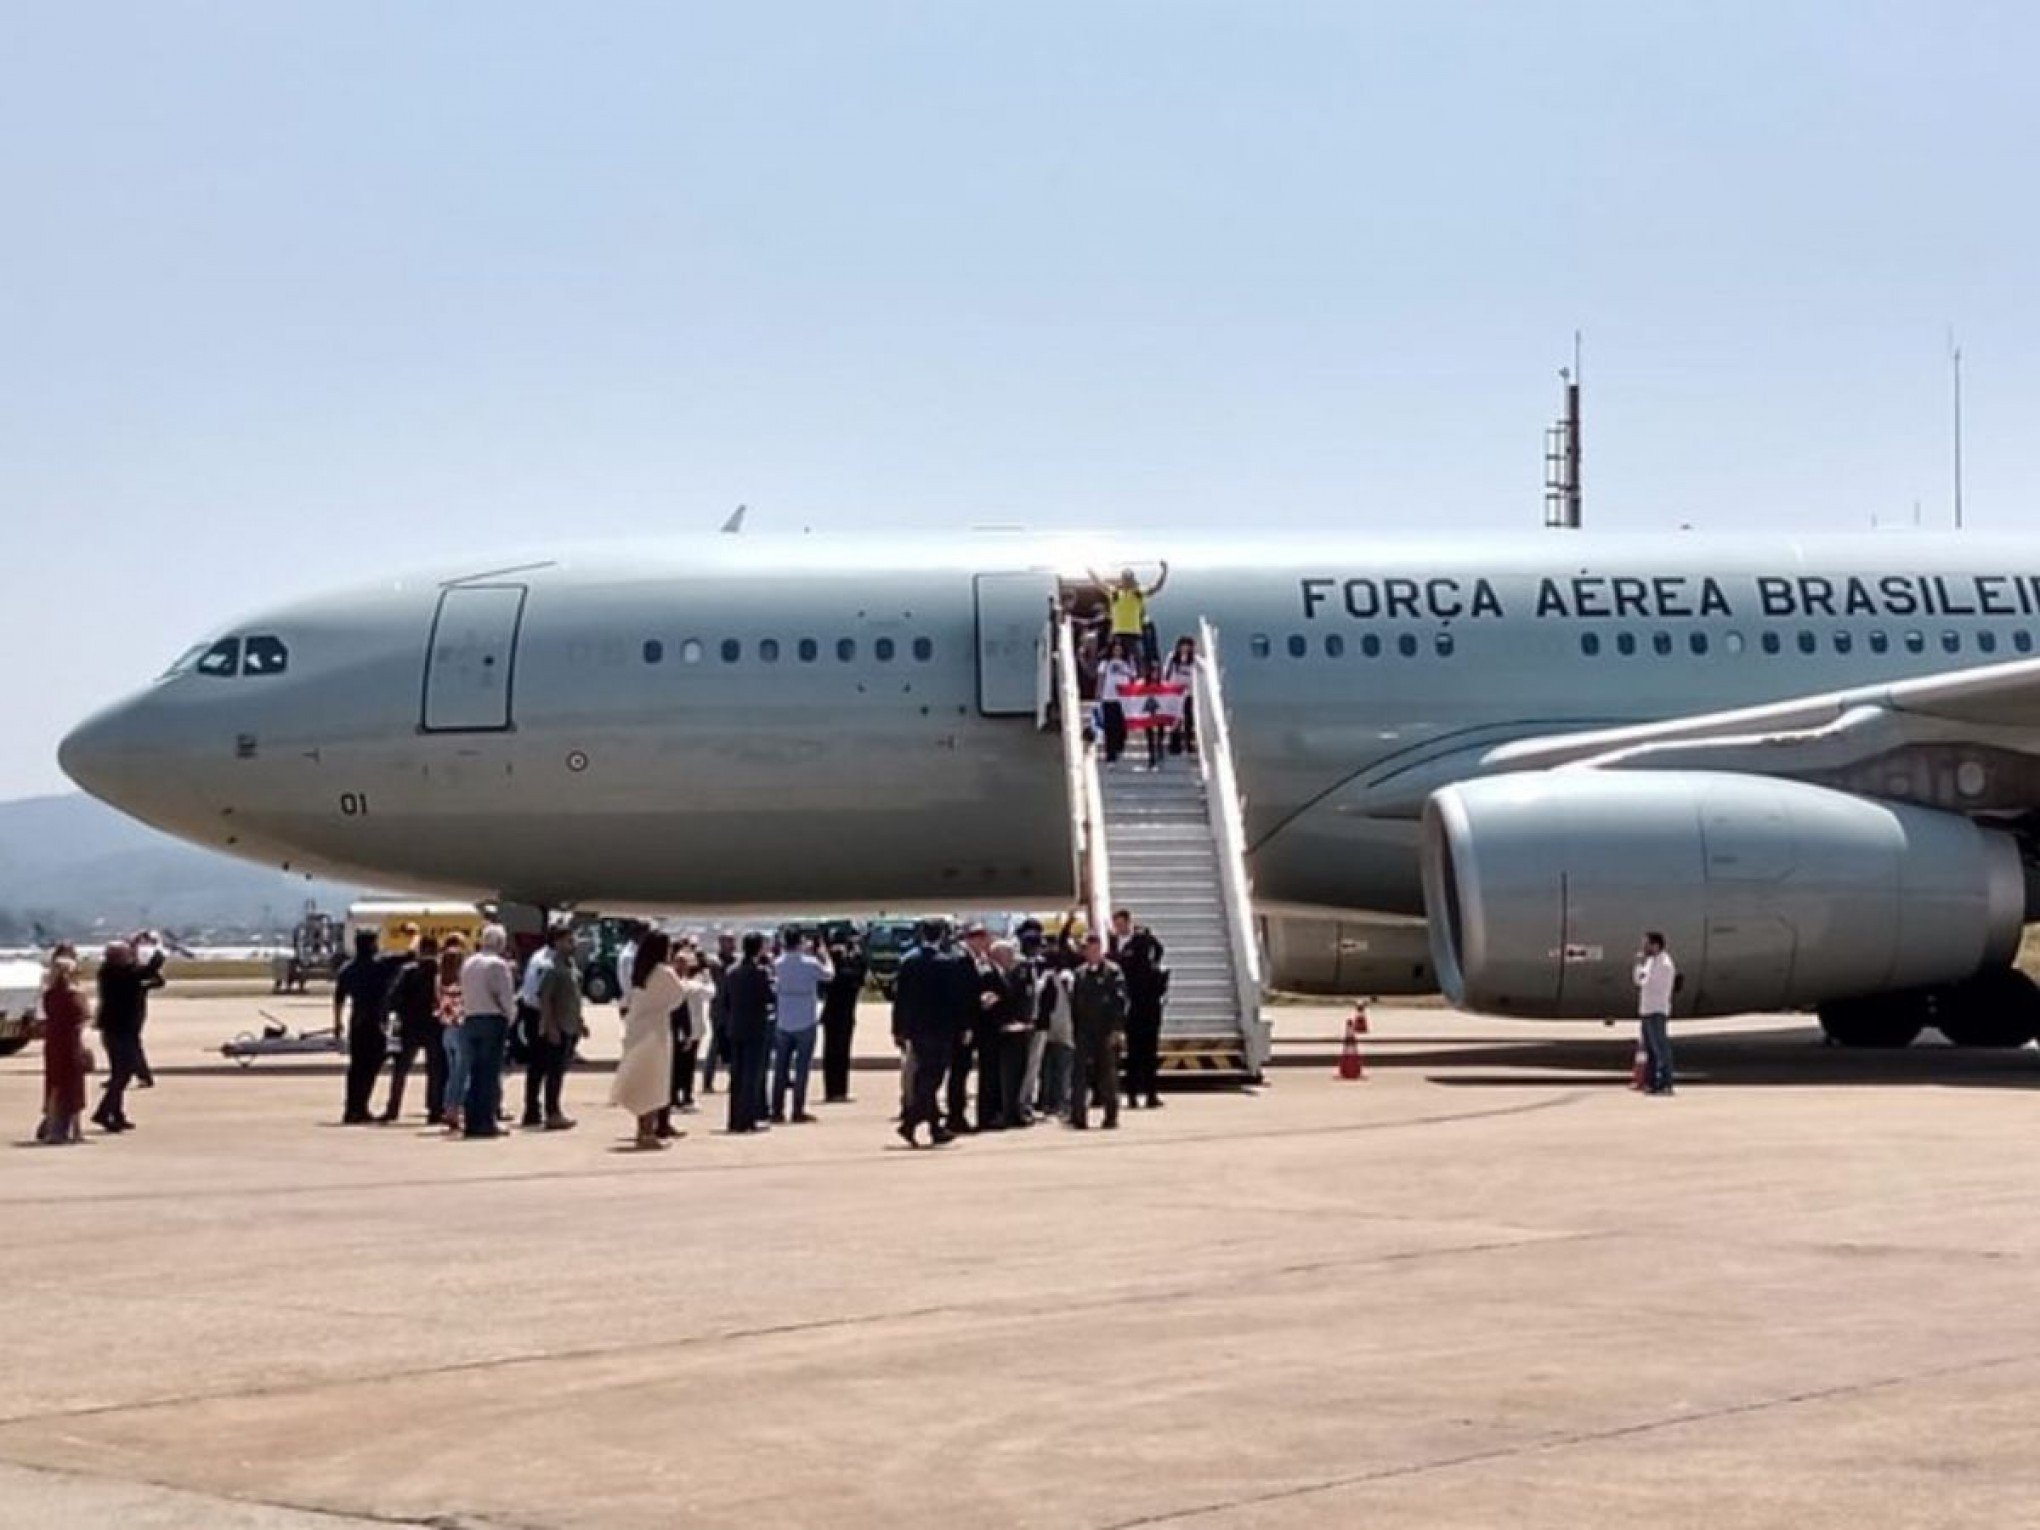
(73, 865)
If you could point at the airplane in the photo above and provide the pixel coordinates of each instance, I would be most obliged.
(1483, 764)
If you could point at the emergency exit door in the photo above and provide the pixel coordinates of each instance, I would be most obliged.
(471, 661)
(1012, 642)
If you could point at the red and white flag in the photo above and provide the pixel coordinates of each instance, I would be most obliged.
(1152, 704)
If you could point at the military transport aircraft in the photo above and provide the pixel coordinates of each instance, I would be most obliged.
(1489, 763)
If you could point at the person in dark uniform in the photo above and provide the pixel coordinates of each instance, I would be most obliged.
(839, 1018)
(1098, 1005)
(361, 991)
(970, 969)
(751, 1000)
(414, 1002)
(1009, 1035)
(1139, 955)
(928, 991)
(124, 986)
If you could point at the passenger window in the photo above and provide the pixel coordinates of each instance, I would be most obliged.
(1260, 646)
(1625, 644)
(1444, 645)
(1916, 642)
(1808, 643)
(1951, 641)
(882, 650)
(690, 651)
(1662, 642)
(1298, 647)
(223, 658)
(654, 650)
(1335, 646)
(1987, 641)
(809, 650)
(846, 649)
(1370, 645)
(264, 655)
(1880, 642)
(732, 650)
(924, 649)
(1771, 643)
(1406, 645)
(1590, 643)
(1843, 642)
(2023, 640)
(768, 650)
(1697, 641)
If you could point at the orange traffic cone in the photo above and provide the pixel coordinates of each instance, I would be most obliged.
(1350, 1065)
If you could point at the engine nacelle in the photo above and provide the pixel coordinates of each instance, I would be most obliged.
(1772, 894)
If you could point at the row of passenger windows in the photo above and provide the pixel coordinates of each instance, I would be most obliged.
(1807, 641)
(1372, 645)
(806, 650)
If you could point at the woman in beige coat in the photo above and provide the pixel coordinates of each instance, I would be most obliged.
(644, 1078)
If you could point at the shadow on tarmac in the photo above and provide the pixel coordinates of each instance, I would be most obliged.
(1788, 1056)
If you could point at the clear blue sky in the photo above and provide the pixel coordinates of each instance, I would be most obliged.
(295, 292)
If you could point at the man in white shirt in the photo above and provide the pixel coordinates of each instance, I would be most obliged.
(1656, 979)
(488, 991)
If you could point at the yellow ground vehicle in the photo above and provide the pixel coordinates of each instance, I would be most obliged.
(388, 919)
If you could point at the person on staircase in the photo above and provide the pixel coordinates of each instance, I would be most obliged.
(1139, 953)
(1182, 670)
(1127, 602)
(1114, 675)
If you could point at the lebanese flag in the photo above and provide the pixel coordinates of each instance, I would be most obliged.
(1152, 704)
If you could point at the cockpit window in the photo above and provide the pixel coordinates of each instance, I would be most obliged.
(186, 660)
(264, 655)
(223, 658)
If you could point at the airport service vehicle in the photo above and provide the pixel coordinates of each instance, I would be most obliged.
(387, 918)
(20, 1002)
(1491, 763)
(316, 946)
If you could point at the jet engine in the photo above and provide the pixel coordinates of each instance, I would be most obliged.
(1772, 894)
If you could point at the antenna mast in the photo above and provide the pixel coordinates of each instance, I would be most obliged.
(1562, 454)
(1955, 367)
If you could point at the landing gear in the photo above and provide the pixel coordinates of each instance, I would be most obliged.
(1998, 1008)
(1881, 1020)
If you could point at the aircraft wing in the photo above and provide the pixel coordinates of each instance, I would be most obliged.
(1965, 740)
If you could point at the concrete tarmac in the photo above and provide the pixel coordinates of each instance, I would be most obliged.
(1487, 1286)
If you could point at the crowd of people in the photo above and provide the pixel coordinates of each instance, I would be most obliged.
(1122, 673)
(993, 1035)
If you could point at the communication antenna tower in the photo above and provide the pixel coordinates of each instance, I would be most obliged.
(1562, 453)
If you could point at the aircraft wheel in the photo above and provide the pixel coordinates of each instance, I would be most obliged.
(1882, 1020)
(1999, 1008)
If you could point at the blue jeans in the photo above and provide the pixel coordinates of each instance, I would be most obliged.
(454, 1040)
(795, 1049)
(1657, 1047)
(487, 1036)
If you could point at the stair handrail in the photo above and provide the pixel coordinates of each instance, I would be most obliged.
(1090, 865)
(1229, 831)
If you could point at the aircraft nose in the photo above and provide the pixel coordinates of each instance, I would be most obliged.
(97, 754)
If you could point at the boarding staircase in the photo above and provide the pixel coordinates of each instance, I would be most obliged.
(1169, 844)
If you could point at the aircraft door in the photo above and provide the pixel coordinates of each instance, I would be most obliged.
(471, 661)
(1012, 642)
